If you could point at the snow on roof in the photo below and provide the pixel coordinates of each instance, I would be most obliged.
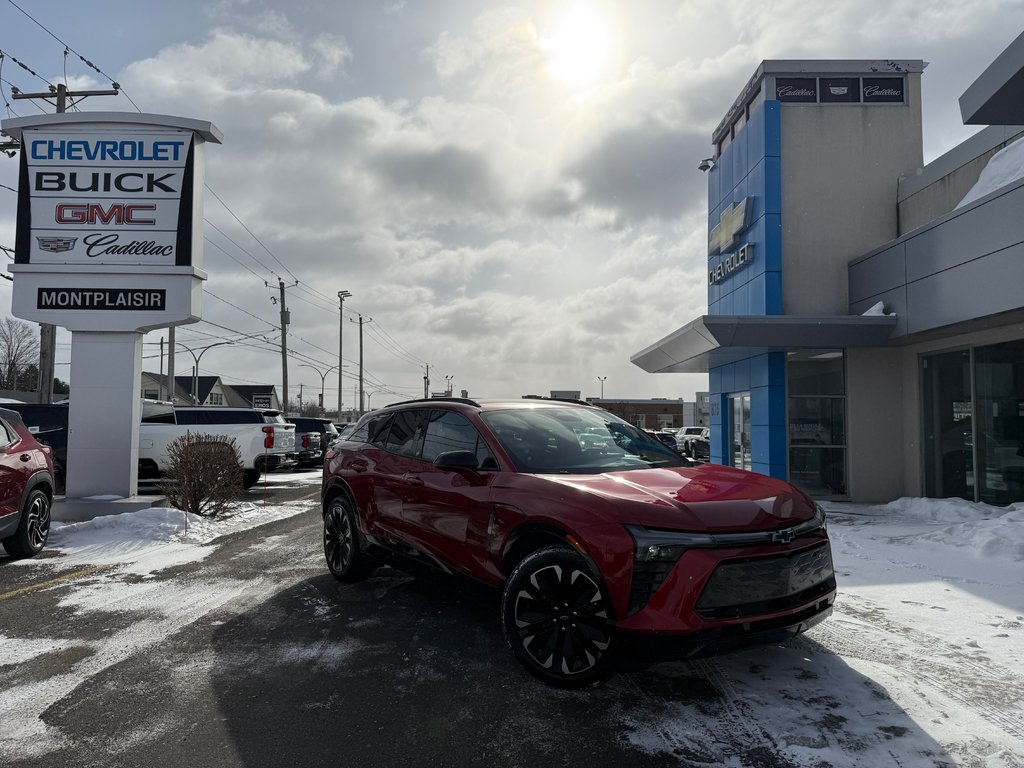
(1004, 167)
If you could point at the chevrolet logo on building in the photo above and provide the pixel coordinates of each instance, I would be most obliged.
(733, 221)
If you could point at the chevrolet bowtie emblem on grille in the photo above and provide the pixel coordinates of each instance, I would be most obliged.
(782, 537)
(56, 244)
(733, 221)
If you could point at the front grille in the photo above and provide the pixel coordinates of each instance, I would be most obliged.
(767, 584)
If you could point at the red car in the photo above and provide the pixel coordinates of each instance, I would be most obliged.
(26, 488)
(598, 545)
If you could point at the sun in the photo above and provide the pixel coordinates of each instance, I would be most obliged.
(580, 47)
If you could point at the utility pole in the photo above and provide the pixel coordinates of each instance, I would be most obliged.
(286, 318)
(47, 332)
(426, 382)
(361, 401)
(171, 343)
(342, 295)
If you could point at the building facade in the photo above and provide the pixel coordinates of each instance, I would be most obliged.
(863, 337)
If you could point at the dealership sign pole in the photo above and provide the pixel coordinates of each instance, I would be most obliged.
(109, 245)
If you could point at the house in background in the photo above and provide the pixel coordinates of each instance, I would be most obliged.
(211, 391)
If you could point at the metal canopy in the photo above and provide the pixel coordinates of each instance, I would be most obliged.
(713, 340)
(997, 96)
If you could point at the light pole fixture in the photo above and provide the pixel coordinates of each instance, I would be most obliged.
(323, 376)
(602, 379)
(195, 369)
(342, 295)
(706, 164)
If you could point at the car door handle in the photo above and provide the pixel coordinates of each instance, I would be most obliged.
(414, 481)
(359, 465)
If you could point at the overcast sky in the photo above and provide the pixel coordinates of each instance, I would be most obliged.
(510, 192)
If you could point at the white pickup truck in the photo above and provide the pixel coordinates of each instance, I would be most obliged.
(265, 441)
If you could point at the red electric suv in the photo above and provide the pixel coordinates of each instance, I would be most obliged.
(600, 537)
(26, 488)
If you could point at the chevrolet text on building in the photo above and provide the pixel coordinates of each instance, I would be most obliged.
(109, 245)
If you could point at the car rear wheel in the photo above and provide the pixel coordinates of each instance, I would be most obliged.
(34, 528)
(555, 618)
(345, 557)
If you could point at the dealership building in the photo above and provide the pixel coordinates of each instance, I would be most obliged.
(865, 329)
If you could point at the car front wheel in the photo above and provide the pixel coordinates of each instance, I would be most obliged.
(345, 557)
(33, 530)
(555, 618)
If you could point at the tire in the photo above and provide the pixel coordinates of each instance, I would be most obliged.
(555, 617)
(345, 557)
(34, 528)
(249, 478)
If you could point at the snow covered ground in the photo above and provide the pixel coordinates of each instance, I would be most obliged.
(921, 664)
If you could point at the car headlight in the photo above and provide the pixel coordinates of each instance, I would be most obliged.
(665, 546)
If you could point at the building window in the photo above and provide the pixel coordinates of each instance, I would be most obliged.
(739, 431)
(816, 384)
(216, 398)
(151, 394)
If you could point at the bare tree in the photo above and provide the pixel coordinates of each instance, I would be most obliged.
(19, 348)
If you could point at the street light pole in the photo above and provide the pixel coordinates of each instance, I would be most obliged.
(323, 376)
(601, 379)
(342, 295)
(197, 358)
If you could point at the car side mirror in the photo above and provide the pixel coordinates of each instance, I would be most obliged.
(456, 460)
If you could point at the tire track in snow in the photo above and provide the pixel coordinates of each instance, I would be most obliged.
(994, 692)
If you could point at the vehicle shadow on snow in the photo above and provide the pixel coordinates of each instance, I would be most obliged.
(413, 670)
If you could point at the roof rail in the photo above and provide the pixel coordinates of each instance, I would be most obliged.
(465, 400)
(558, 400)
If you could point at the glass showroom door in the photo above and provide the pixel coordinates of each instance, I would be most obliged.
(739, 430)
(948, 425)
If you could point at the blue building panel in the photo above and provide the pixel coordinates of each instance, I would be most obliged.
(715, 381)
(772, 128)
(773, 292)
(741, 375)
(754, 134)
(771, 226)
(725, 168)
(714, 188)
(740, 165)
(771, 171)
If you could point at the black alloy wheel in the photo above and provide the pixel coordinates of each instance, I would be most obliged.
(345, 558)
(555, 618)
(34, 528)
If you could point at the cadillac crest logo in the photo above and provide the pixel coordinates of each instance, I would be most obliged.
(56, 244)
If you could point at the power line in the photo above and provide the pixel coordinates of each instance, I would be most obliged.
(243, 225)
(383, 338)
(80, 56)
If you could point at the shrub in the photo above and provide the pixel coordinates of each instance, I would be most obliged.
(204, 474)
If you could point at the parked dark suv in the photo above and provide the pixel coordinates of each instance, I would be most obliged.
(26, 488)
(312, 437)
(596, 544)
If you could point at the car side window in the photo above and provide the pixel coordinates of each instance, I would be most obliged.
(374, 430)
(406, 433)
(451, 431)
(7, 434)
(187, 417)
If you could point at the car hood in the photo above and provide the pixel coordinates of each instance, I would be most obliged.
(710, 497)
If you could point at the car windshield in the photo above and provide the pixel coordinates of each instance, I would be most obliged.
(576, 441)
